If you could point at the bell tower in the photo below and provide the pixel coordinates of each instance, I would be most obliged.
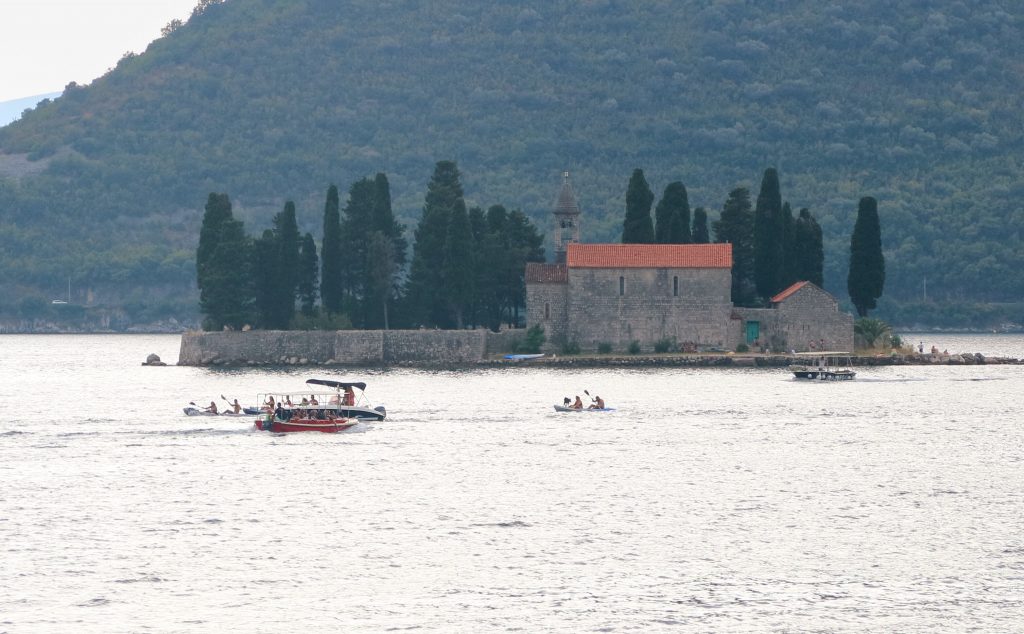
(567, 220)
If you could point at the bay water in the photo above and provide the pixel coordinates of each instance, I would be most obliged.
(709, 500)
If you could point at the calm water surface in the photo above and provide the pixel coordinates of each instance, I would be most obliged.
(711, 500)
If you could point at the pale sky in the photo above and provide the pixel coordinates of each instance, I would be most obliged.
(45, 44)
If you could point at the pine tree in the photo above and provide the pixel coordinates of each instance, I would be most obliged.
(223, 267)
(736, 227)
(808, 250)
(426, 292)
(308, 267)
(768, 236)
(867, 263)
(638, 227)
(331, 255)
(672, 216)
(700, 233)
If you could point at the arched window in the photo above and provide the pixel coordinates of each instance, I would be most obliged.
(622, 285)
(675, 286)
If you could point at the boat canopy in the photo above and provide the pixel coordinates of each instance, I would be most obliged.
(336, 384)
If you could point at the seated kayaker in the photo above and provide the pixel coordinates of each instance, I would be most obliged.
(577, 404)
(212, 408)
(236, 407)
(598, 403)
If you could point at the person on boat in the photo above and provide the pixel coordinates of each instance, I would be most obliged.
(236, 407)
(350, 396)
(305, 401)
(312, 400)
(270, 403)
(279, 412)
(288, 401)
(598, 403)
(212, 408)
(577, 404)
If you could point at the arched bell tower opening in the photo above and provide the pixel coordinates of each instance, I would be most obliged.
(567, 220)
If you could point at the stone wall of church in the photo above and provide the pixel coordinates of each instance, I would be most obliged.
(808, 316)
(546, 304)
(618, 306)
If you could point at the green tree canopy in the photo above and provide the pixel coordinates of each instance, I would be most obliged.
(867, 263)
(638, 228)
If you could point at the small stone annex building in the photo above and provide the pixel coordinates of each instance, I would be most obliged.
(615, 294)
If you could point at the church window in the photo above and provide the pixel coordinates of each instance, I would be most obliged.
(622, 285)
(547, 310)
(675, 286)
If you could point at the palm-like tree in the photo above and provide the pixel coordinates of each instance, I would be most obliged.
(870, 330)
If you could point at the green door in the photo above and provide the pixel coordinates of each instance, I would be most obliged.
(753, 331)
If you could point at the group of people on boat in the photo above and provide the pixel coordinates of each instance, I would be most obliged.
(596, 402)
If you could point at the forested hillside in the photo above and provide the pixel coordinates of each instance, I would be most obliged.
(915, 103)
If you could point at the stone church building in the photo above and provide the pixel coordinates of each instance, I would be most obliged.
(615, 294)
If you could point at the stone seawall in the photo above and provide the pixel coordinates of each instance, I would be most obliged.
(342, 347)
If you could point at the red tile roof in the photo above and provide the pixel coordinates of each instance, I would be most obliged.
(789, 291)
(649, 256)
(538, 273)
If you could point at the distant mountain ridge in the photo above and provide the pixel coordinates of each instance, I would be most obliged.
(11, 109)
(915, 103)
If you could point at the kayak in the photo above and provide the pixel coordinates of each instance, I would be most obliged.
(522, 357)
(563, 408)
(195, 411)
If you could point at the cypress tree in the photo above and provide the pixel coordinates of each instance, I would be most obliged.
(866, 278)
(768, 236)
(700, 233)
(356, 225)
(223, 267)
(330, 249)
(426, 292)
(380, 277)
(808, 249)
(285, 278)
(265, 279)
(736, 226)
(382, 222)
(458, 270)
(308, 266)
(672, 216)
(638, 227)
(217, 212)
(788, 270)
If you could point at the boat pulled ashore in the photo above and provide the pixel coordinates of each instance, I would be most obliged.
(823, 366)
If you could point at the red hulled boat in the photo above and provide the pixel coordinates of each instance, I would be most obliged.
(303, 420)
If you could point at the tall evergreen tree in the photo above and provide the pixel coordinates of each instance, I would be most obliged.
(380, 278)
(382, 222)
(217, 212)
(286, 266)
(808, 249)
(700, 233)
(223, 267)
(736, 226)
(331, 291)
(265, 279)
(788, 270)
(357, 223)
(866, 278)
(527, 245)
(672, 216)
(308, 267)
(768, 236)
(458, 272)
(638, 227)
(426, 293)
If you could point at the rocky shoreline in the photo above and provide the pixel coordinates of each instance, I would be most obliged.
(730, 360)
